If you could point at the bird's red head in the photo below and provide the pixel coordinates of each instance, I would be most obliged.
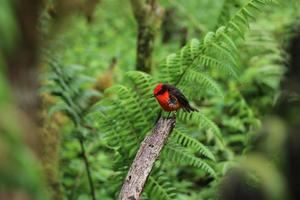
(157, 89)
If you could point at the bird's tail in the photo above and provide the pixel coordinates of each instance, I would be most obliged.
(189, 108)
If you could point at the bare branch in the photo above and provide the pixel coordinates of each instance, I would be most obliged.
(144, 160)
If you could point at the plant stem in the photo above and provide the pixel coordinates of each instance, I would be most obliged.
(77, 120)
(87, 167)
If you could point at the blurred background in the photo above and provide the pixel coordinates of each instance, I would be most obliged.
(58, 57)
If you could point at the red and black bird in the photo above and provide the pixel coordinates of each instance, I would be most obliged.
(171, 98)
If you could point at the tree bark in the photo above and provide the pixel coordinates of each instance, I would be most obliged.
(144, 160)
(22, 73)
(148, 16)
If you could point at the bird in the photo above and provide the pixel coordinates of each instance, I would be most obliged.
(171, 98)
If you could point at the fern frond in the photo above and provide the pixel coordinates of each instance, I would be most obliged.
(240, 21)
(226, 11)
(61, 107)
(143, 86)
(216, 49)
(180, 156)
(118, 132)
(195, 83)
(128, 112)
(142, 81)
(230, 43)
(202, 122)
(159, 187)
(190, 142)
(129, 105)
(173, 67)
(124, 118)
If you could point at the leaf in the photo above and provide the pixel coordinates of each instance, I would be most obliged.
(190, 142)
(160, 188)
(180, 156)
(202, 81)
(59, 107)
(200, 120)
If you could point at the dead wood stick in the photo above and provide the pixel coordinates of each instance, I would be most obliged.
(144, 160)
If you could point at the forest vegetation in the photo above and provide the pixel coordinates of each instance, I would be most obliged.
(76, 98)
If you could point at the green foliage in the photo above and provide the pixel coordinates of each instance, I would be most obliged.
(190, 142)
(160, 188)
(71, 87)
(8, 26)
(219, 73)
(231, 73)
(200, 120)
(217, 50)
(180, 156)
(127, 117)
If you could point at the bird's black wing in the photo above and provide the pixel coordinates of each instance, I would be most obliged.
(181, 98)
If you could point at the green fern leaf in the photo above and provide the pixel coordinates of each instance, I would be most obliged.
(59, 107)
(221, 32)
(202, 81)
(159, 188)
(190, 142)
(180, 156)
(200, 120)
(144, 86)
